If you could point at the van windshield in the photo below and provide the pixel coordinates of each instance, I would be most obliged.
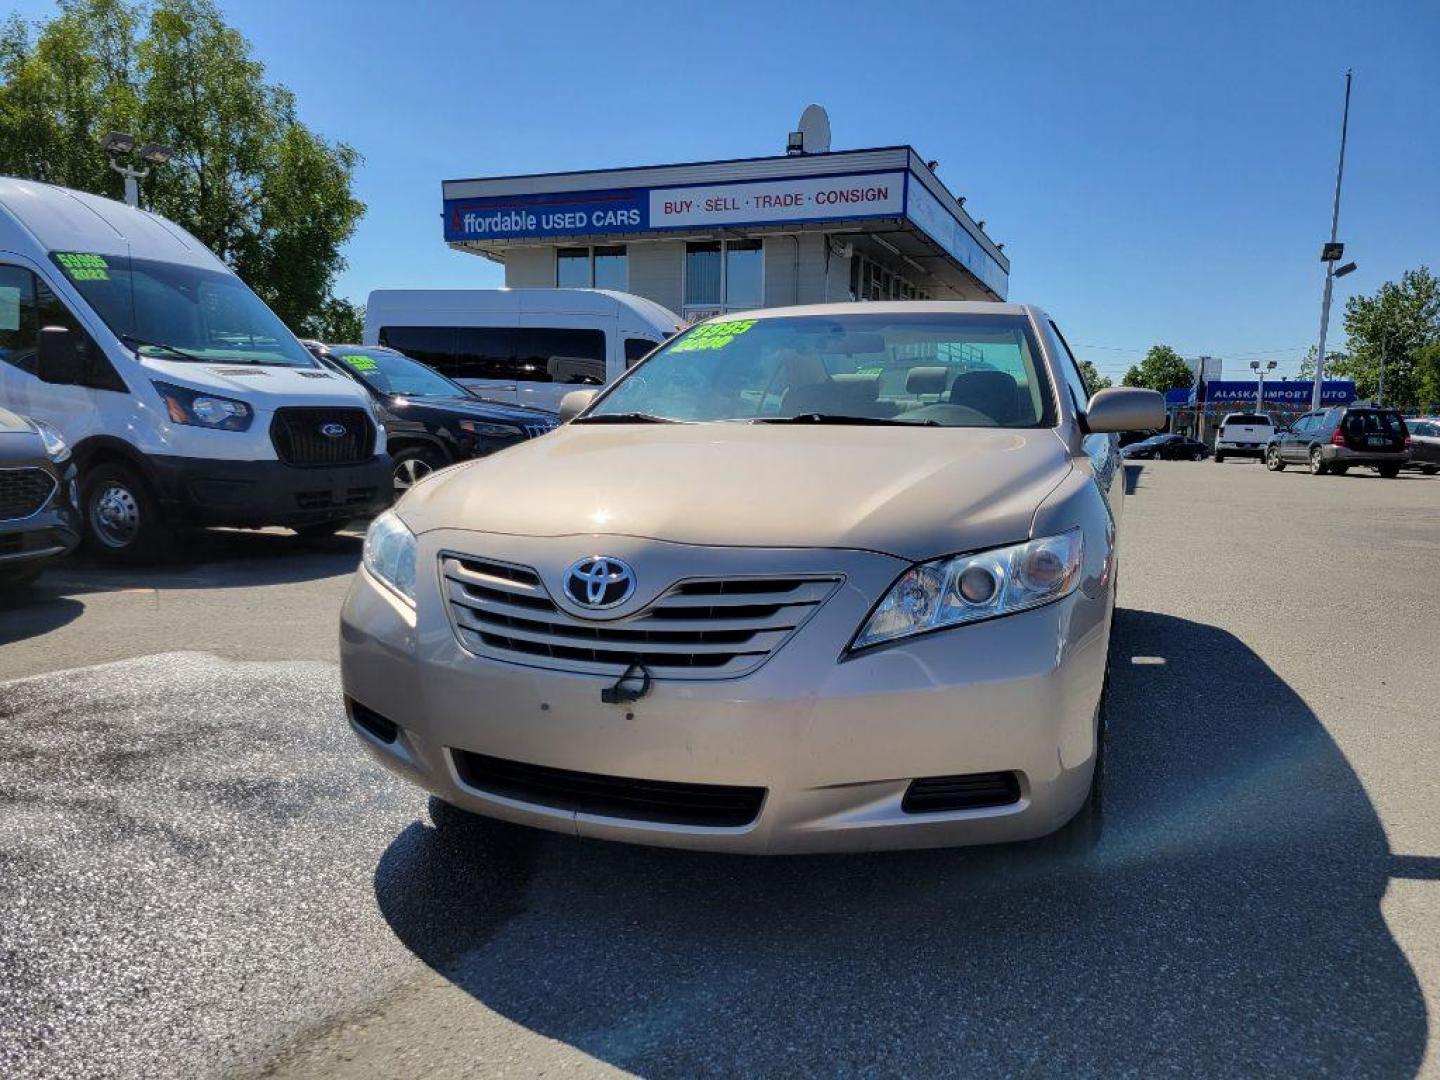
(205, 314)
(895, 368)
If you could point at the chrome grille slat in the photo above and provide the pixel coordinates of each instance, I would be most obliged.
(696, 629)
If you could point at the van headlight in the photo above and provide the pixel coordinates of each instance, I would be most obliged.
(199, 409)
(968, 588)
(390, 554)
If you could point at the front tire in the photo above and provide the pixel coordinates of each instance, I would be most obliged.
(1219, 457)
(122, 516)
(1273, 461)
(411, 464)
(1317, 463)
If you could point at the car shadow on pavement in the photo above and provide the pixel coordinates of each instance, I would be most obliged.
(26, 613)
(1228, 923)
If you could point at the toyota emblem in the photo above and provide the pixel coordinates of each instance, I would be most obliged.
(332, 431)
(598, 581)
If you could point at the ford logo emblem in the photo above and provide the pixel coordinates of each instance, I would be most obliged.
(598, 581)
(333, 431)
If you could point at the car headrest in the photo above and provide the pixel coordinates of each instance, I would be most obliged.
(841, 394)
(993, 393)
(926, 380)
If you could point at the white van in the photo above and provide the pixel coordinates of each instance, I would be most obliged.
(184, 399)
(528, 346)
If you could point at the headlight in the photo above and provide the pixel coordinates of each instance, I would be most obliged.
(390, 554)
(199, 409)
(56, 448)
(489, 431)
(968, 588)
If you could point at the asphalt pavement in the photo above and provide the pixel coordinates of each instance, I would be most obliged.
(201, 875)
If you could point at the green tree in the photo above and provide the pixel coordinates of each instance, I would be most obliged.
(1094, 381)
(339, 322)
(1307, 365)
(1392, 329)
(252, 182)
(1162, 369)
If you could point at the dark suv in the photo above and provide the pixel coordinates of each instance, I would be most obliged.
(1332, 440)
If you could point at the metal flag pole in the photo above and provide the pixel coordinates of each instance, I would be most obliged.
(1331, 254)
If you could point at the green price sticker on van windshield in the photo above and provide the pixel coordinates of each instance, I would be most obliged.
(715, 335)
(82, 266)
(361, 363)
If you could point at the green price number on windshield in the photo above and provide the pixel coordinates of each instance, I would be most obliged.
(361, 363)
(82, 266)
(712, 336)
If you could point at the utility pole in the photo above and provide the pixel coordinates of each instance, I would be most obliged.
(1331, 254)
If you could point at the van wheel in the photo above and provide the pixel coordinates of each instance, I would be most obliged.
(411, 465)
(122, 517)
(1317, 463)
(1273, 461)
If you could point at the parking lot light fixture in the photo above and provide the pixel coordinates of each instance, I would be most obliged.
(119, 147)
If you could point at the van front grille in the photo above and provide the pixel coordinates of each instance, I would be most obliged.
(318, 437)
(24, 491)
(706, 805)
(710, 629)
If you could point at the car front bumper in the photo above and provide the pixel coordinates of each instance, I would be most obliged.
(835, 742)
(207, 491)
(50, 532)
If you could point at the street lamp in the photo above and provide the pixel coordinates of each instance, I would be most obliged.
(118, 147)
(1260, 387)
(1330, 254)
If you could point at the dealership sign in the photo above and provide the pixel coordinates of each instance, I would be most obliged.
(629, 210)
(1288, 392)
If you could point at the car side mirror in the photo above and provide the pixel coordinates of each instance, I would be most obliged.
(574, 403)
(58, 357)
(1125, 408)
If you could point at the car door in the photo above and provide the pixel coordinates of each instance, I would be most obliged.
(1294, 446)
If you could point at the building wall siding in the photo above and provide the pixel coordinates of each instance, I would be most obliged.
(530, 268)
(657, 272)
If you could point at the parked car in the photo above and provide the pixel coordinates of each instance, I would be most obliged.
(430, 421)
(1336, 439)
(809, 578)
(39, 519)
(527, 346)
(1425, 444)
(1243, 434)
(1169, 447)
(183, 398)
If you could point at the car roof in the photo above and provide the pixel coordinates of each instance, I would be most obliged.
(889, 307)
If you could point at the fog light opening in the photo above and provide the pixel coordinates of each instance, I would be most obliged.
(371, 722)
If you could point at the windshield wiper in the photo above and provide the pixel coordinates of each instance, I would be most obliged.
(625, 418)
(840, 418)
(131, 339)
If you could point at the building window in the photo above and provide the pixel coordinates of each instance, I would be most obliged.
(605, 267)
(724, 276)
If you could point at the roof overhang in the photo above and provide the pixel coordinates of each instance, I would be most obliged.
(888, 194)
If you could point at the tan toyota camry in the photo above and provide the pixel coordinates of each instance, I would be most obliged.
(807, 579)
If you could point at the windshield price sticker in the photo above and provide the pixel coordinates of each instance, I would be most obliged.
(712, 335)
(83, 267)
(361, 363)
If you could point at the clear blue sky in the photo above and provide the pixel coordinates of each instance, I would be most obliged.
(1157, 171)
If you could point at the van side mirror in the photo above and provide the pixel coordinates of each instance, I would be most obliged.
(1125, 408)
(58, 357)
(574, 403)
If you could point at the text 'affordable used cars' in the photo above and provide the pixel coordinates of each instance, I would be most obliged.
(817, 578)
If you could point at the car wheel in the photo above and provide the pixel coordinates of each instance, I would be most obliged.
(1198, 455)
(411, 465)
(1389, 472)
(15, 578)
(122, 517)
(1317, 463)
(1430, 470)
(319, 530)
(1273, 461)
(1219, 457)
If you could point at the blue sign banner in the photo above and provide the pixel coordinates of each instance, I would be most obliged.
(1287, 393)
(573, 213)
(1183, 396)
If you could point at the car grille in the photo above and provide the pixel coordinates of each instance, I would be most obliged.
(712, 805)
(299, 440)
(24, 491)
(701, 629)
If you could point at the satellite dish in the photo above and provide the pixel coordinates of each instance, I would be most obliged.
(815, 130)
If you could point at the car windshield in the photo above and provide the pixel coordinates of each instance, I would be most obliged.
(887, 368)
(181, 312)
(395, 374)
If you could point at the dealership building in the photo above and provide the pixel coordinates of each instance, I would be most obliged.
(715, 236)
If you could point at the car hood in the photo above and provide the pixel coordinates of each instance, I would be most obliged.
(914, 493)
(266, 386)
(469, 406)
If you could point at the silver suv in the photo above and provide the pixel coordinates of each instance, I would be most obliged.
(814, 578)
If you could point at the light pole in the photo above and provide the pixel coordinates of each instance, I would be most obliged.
(119, 148)
(1330, 254)
(1260, 387)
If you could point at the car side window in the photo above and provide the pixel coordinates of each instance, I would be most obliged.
(1074, 380)
(27, 305)
(636, 349)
